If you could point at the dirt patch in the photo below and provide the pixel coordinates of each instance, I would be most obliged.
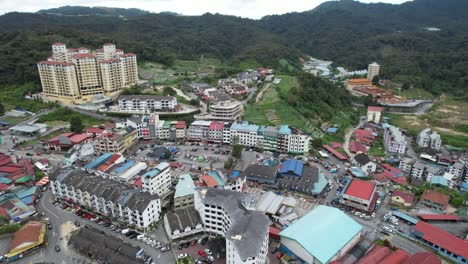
(66, 229)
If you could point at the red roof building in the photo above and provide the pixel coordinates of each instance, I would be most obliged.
(439, 217)
(402, 198)
(216, 125)
(84, 56)
(360, 195)
(181, 125)
(67, 140)
(209, 181)
(435, 200)
(438, 237)
(336, 145)
(423, 258)
(336, 153)
(355, 147)
(375, 255)
(375, 108)
(96, 131)
(396, 257)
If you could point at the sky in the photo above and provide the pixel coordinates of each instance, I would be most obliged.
(244, 8)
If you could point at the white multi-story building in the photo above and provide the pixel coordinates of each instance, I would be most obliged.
(418, 169)
(428, 138)
(147, 103)
(245, 134)
(432, 171)
(225, 111)
(405, 164)
(457, 170)
(298, 143)
(158, 180)
(228, 214)
(394, 140)
(199, 130)
(374, 113)
(107, 197)
(373, 70)
(79, 74)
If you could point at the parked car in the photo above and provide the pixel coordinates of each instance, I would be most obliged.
(181, 246)
(193, 243)
(204, 240)
(210, 258)
(202, 253)
(77, 224)
(57, 248)
(181, 256)
(49, 226)
(187, 244)
(208, 251)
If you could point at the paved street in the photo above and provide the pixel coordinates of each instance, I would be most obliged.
(59, 216)
(406, 245)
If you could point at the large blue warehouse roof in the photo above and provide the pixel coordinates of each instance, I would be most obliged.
(292, 166)
(323, 232)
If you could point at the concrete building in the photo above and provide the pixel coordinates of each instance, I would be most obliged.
(226, 111)
(457, 170)
(428, 138)
(260, 173)
(199, 130)
(394, 140)
(444, 243)
(359, 194)
(417, 170)
(374, 114)
(184, 191)
(107, 197)
(158, 180)
(245, 134)
(364, 163)
(229, 214)
(147, 103)
(76, 75)
(117, 142)
(435, 201)
(321, 236)
(432, 172)
(215, 132)
(406, 163)
(402, 198)
(373, 70)
(182, 222)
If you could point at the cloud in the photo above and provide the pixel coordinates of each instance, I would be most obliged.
(244, 8)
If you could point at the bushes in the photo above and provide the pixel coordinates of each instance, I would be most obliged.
(11, 228)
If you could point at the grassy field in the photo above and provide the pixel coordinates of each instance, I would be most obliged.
(449, 119)
(13, 119)
(63, 115)
(415, 94)
(179, 70)
(271, 110)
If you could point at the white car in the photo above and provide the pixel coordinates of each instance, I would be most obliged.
(357, 214)
(373, 215)
(210, 258)
(208, 251)
(181, 256)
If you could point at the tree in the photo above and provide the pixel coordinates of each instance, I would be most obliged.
(237, 150)
(405, 86)
(457, 201)
(195, 102)
(2, 109)
(375, 80)
(317, 142)
(167, 154)
(169, 91)
(228, 163)
(76, 125)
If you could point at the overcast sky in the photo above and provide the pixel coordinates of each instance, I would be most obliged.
(243, 8)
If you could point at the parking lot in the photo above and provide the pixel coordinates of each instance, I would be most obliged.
(201, 251)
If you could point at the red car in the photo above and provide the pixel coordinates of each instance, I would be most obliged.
(202, 253)
(193, 243)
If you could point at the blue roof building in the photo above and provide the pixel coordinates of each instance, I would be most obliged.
(98, 161)
(439, 180)
(332, 130)
(122, 168)
(321, 236)
(292, 167)
(185, 186)
(285, 129)
(245, 126)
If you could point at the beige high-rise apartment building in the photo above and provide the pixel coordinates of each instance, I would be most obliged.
(112, 72)
(59, 80)
(88, 73)
(373, 70)
(78, 74)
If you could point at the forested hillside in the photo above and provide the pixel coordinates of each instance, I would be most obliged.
(349, 33)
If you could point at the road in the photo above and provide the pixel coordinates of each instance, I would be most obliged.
(348, 135)
(59, 216)
(259, 95)
(406, 244)
(251, 93)
(89, 113)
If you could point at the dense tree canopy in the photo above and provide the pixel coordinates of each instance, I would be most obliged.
(422, 43)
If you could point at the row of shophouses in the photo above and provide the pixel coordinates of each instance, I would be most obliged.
(283, 139)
